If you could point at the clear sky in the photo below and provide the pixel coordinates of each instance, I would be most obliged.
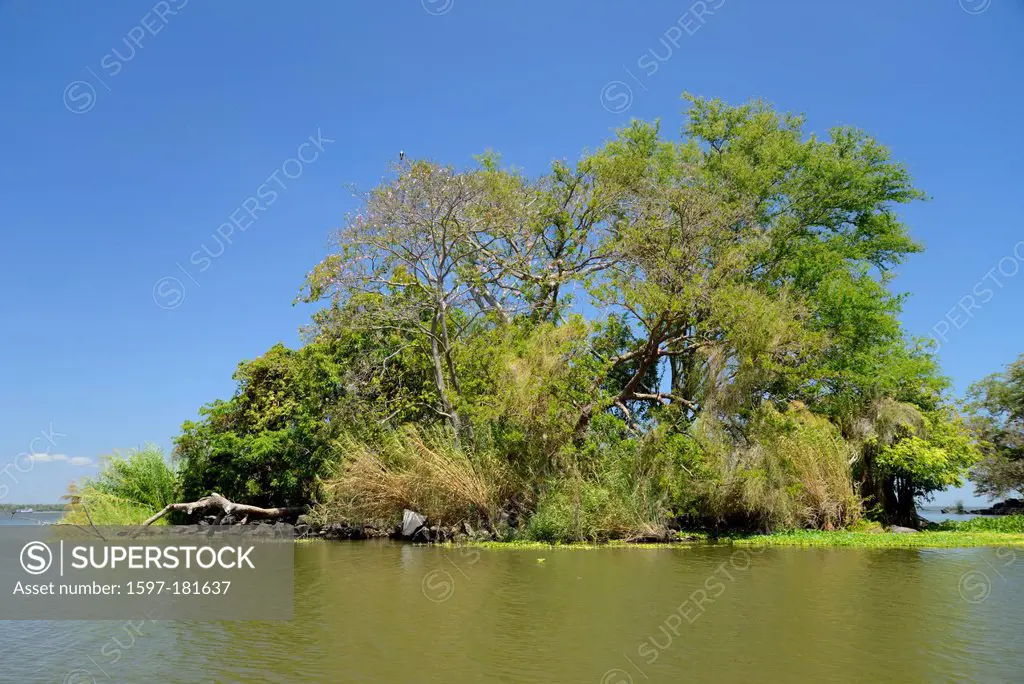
(134, 130)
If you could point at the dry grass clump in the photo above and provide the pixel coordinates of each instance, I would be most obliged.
(423, 470)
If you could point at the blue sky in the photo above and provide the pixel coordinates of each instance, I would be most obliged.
(119, 166)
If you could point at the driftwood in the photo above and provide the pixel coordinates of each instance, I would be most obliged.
(216, 502)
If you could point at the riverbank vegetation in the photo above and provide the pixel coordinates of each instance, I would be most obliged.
(692, 333)
(937, 539)
(128, 489)
(885, 540)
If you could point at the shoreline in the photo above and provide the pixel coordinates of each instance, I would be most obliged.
(802, 539)
(415, 529)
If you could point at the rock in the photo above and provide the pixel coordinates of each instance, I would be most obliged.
(283, 529)
(896, 529)
(341, 530)
(412, 522)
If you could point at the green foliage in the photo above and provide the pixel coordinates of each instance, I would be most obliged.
(129, 488)
(270, 444)
(791, 471)
(998, 405)
(574, 510)
(261, 446)
(599, 352)
(613, 486)
(798, 472)
(1002, 523)
(939, 539)
(938, 458)
(530, 382)
(11, 507)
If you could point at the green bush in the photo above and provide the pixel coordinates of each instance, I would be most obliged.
(129, 488)
(575, 510)
(618, 487)
(792, 472)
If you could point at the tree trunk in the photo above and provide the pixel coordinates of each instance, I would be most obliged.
(216, 502)
(439, 380)
(894, 497)
(906, 509)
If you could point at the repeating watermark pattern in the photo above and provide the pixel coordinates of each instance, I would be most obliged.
(980, 295)
(438, 585)
(975, 586)
(690, 610)
(113, 651)
(26, 461)
(169, 291)
(438, 7)
(80, 95)
(617, 95)
(975, 6)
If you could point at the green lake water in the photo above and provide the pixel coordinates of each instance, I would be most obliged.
(388, 612)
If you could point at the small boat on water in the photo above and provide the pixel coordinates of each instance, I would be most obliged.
(24, 510)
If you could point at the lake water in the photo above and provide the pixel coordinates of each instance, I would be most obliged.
(36, 518)
(389, 612)
(936, 515)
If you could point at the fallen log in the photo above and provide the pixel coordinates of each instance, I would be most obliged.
(216, 502)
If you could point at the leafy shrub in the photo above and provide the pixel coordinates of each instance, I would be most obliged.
(577, 510)
(532, 383)
(793, 472)
(129, 488)
(618, 487)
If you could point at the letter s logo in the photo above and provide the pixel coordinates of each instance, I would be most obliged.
(36, 558)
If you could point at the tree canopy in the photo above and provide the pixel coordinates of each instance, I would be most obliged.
(697, 330)
(998, 402)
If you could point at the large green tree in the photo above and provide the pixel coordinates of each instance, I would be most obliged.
(659, 296)
(998, 402)
(273, 441)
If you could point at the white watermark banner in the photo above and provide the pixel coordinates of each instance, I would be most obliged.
(63, 572)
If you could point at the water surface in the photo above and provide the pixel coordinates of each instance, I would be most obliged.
(34, 518)
(387, 612)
